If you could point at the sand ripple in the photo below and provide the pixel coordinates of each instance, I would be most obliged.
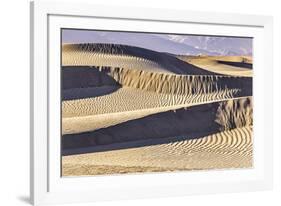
(228, 149)
(130, 99)
(127, 109)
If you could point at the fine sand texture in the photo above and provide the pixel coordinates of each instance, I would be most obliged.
(229, 65)
(127, 109)
(193, 121)
(228, 149)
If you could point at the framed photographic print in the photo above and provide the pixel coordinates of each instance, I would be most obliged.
(127, 105)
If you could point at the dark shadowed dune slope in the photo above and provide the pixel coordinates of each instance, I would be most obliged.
(194, 122)
(85, 76)
(237, 64)
(82, 76)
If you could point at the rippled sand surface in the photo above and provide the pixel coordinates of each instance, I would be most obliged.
(229, 149)
(127, 110)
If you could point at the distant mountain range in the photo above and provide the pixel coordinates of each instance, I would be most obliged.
(175, 44)
(226, 46)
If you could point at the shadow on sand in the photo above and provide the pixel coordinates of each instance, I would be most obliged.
(237, 64)
(86, 76)
(131, 144)
(188, 123)
(79, 82)
(81, 93)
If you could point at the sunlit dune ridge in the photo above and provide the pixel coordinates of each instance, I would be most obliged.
(224, 65)
(239, 59)
(94, 113)
(129, 109)
(124, 56)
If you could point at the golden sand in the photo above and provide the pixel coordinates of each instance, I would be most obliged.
(85, 123)
(228, 149)
(212, 64)
(151, 86)
(87, 58)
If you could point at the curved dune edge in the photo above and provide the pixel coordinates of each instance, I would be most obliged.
(228, 149)
(178, 84)
(130, 99)
(158, 82)
(212, 64)
(78, 124)
(194, 122)
(81, 55)
(246, 59)
(119, 95)
(84, 59)
(143, 90)
(128, 57)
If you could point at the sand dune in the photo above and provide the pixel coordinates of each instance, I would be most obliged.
(179, 84)
(194, 122)
(130, 109)
(127, 57)
(78, 123)
(129, 99)
(228, 149)
(153, 81)
(139, 92)
(234, 66)
(245, 59)
(235, 113)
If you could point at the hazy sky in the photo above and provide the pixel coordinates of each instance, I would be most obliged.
(171, 43)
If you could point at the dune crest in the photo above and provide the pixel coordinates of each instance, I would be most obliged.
(240, 66)
(130, 109)
(179, 84)
(92, 120)
(128, 57)
(157, 82)
(195, 121)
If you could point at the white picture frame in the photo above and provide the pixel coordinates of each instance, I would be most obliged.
(46, 184)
